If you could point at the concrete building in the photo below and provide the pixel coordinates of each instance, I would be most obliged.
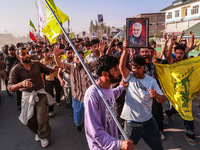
(181, 15)
(156, 22)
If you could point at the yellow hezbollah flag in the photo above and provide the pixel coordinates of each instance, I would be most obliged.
(180, 83)
(52, 29)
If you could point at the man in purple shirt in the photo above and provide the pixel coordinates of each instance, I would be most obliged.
(100, 128)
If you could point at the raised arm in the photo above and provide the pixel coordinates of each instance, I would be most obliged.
(102, 46)
(122, 64)
(181, 36)
(169, 54)
(189, 48)
(57, 52)
(164, 46)
(108, 52)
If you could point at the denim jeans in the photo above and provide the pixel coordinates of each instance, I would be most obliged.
(147, 130)
(78, 111)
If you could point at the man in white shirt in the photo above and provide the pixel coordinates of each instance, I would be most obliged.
(139, 121)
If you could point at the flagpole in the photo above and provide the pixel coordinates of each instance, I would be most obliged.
(100, 93)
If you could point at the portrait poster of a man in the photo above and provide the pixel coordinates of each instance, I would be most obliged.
(137, 32)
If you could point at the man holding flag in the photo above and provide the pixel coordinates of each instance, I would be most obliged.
(184, 85)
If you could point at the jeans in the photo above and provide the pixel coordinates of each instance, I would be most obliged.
(49, 85)
(189, 129)
(147, 130)
(78, 111)
(68, 96)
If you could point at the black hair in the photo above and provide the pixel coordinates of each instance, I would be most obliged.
(11, 48)
(45, 50)
(20, 49)
(138, 61)
(180, 46)
(68, 48)
(81, 52)
(119, 44)
(105, 63)
(87, 43)
(61, 46)
(94, 41)
(152, 43)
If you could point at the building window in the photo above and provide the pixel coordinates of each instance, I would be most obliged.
(177, 13)
(169, 15)
(195, 9)
(186, 12)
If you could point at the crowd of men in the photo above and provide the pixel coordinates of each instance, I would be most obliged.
(41, 73)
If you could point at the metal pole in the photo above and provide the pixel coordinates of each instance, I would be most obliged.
(100, 93)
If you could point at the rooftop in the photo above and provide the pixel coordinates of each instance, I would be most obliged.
(179, 3)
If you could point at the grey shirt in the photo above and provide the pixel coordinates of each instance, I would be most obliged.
(138, 103)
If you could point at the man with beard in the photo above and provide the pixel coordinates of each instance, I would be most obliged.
(38, 54)
(136, 39)
(64, 78)
(79, 79)
(100, 128)
(179, 54)
(139, 121)
(26, 76)
(157, 109)
(10, 61)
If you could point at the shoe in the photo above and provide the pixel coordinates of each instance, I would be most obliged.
(44, 142)
(19, 107)
(162, 136)
(191, 141)
(51, 114)
(167, 112)
(58, 103)
(79, 128)
(165, 123)
(37, 138)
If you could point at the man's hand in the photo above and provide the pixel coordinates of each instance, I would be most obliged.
(102, 46)
(55, 68)
(173, 38)
(165, 37)
(127, 145)
(191, 34)
(125, 45)
(57, 51)
(124, 84)
(182, 33)
(62, 83)
(152, 93)
(27, 84)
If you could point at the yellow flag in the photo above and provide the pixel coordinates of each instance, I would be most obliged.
(52, 29)
(180, 83)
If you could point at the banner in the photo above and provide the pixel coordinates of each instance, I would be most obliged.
(100, 18)
(180, 83)
(41, 17)
(52, 29)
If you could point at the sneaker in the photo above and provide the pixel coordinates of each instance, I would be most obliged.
(191, 141)
(162, 136)
(58, 104)
(37, 138)
(44, 142)
(51, 114)
(167, 112)
(79, 128)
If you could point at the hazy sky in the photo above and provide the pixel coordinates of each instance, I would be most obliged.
(15, 14)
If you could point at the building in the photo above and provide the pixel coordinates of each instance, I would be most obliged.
(181, 15)
(156, 22)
